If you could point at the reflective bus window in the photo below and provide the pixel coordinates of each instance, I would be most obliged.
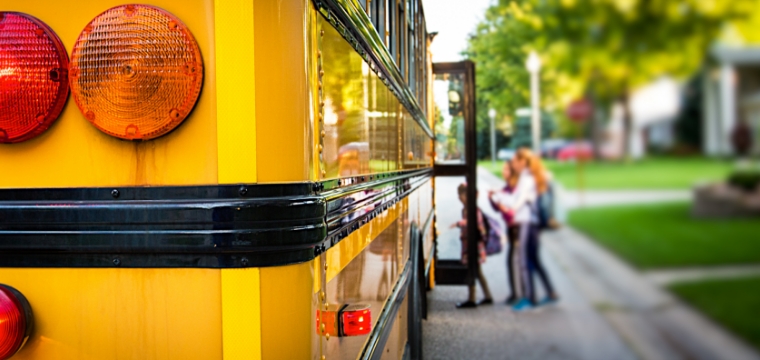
(377, 14)
(401, 35)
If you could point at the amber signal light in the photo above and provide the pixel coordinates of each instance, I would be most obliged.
(136, 72)
(33, 84)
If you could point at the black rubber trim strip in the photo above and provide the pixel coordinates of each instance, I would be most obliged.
(379, 335)
(184, 226)
(338, 234)
(354, 25)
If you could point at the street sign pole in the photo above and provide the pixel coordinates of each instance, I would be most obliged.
(579, 112)
(533, 64)
(492, 115)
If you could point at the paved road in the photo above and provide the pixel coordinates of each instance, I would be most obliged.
(607, 309)
(572, 329)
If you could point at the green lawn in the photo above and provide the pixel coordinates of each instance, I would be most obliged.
(665, 235)
(733, 303)
(650, 173)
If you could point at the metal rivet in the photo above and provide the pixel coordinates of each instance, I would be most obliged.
(243, 190)
(244, 261)
(324, 173)
(327, 336)
(116, 262)
(323, 133)
(321, 33)
(115, 193)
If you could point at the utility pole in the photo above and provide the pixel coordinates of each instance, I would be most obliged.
(492, 116)
(533, 64)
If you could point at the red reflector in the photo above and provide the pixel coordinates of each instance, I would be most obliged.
(15, 321)
(33, 77)
(356, 320)
(136, 72)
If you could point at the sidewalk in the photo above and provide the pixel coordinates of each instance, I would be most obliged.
(572, 329)
(607, 310)
(574, 199)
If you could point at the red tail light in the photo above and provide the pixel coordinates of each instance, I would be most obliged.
(356, 320)
(33, 77)
(345, 320)
(136, 72)
(16, 321)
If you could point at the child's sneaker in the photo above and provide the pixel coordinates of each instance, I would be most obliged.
(548, 300)
(522, 305)
(512, 300)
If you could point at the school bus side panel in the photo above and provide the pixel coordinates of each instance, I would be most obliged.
(73, 153)
(284, 137)
(83, 314)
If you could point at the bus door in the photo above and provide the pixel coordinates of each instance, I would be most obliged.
(454, 171)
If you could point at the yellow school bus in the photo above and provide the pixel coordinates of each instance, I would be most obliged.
(214, 179)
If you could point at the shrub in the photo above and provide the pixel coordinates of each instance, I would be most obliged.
(747, 180)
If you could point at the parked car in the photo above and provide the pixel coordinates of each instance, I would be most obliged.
(575, 151)
(505, 154)
(550, 147)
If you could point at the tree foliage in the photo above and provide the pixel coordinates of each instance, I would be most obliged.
(596, 48)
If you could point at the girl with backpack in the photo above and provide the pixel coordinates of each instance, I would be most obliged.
(505, 197)
(483, 231)
(544, 220)
(529, 181)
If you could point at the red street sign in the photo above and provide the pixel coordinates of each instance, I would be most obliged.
(580, 110)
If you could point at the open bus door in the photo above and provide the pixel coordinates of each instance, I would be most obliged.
(455, 164)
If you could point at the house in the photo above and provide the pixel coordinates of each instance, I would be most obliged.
(732, 94)
(654, 108)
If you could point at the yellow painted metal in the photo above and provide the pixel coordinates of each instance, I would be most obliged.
(241, 314)
(73, 153)
(236, 105)
(288, 311)
(431, 275)
(284, 138)
(314, 65)
(347, 249)
(83, 314)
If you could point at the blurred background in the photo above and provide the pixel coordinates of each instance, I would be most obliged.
(647, 114)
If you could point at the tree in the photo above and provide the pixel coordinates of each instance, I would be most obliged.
(524, 133)
(599, 48)
(688, 124)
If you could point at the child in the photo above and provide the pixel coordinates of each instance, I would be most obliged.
(502, 202)
(462, 225)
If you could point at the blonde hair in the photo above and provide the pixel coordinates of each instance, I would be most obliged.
(513, 175)
(536, 168)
